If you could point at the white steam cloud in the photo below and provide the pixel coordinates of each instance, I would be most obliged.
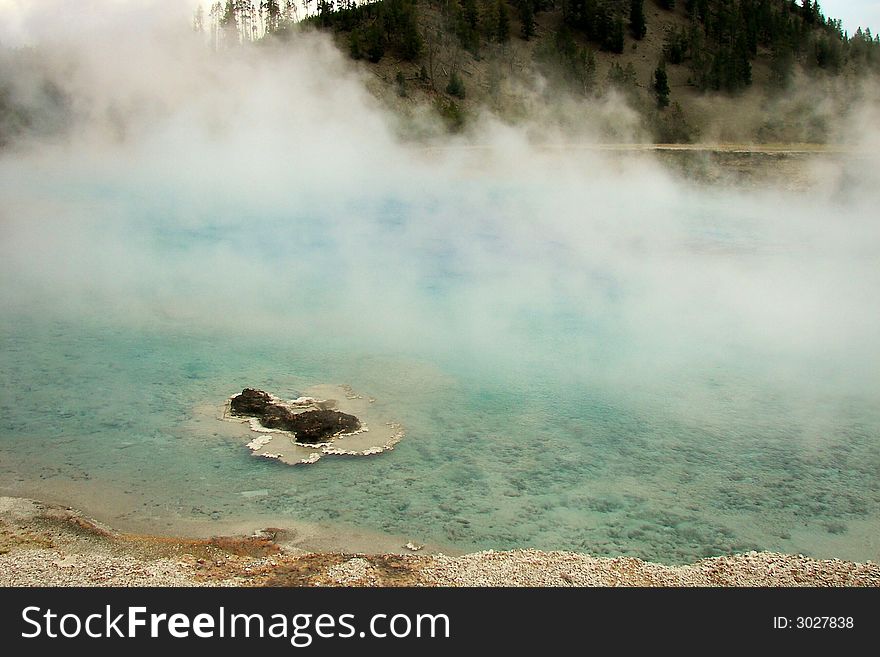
(262, 188)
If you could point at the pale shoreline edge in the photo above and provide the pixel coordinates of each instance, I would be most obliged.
(51, 545)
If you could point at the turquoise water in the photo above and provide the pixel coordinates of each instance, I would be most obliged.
(693, 380)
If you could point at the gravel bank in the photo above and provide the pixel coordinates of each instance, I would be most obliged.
(46, 545)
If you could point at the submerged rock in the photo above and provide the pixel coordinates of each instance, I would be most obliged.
(310, 426)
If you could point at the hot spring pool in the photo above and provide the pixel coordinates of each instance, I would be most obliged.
(673, 375)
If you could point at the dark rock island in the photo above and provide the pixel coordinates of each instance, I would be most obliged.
(311, 426)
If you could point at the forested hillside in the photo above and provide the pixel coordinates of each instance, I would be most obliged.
(684, 66)
(682, 70)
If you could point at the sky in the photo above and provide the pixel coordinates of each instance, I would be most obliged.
(854, 13)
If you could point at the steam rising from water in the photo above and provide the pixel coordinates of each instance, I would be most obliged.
(261, 193)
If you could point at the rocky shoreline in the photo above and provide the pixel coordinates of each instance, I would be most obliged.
(50, 545)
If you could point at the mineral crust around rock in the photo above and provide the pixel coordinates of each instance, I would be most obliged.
(302, 430)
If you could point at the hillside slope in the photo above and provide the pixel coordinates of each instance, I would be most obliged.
(625, 71)
(734, 73)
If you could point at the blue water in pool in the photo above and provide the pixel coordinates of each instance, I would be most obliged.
(665, 384)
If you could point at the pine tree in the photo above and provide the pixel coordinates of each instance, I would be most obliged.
(808, 11)
(199, 19)
(400, 83)
(248, 22)
(355, 44)
(697, 9)
(615, 39)
(467, 24)
(502, 28)
(272, 15)
(637, 19)
(229, 23)
(661, 86)
(526, 18)
(470, 13)
(676, 46)
(455, 86)
(587, 69)
(325, 11)
(374, 42)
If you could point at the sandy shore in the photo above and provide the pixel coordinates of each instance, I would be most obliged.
(49, 545)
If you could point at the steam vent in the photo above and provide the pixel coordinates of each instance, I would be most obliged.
(330, 421)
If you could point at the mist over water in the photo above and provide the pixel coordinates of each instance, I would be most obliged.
(587, 350)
